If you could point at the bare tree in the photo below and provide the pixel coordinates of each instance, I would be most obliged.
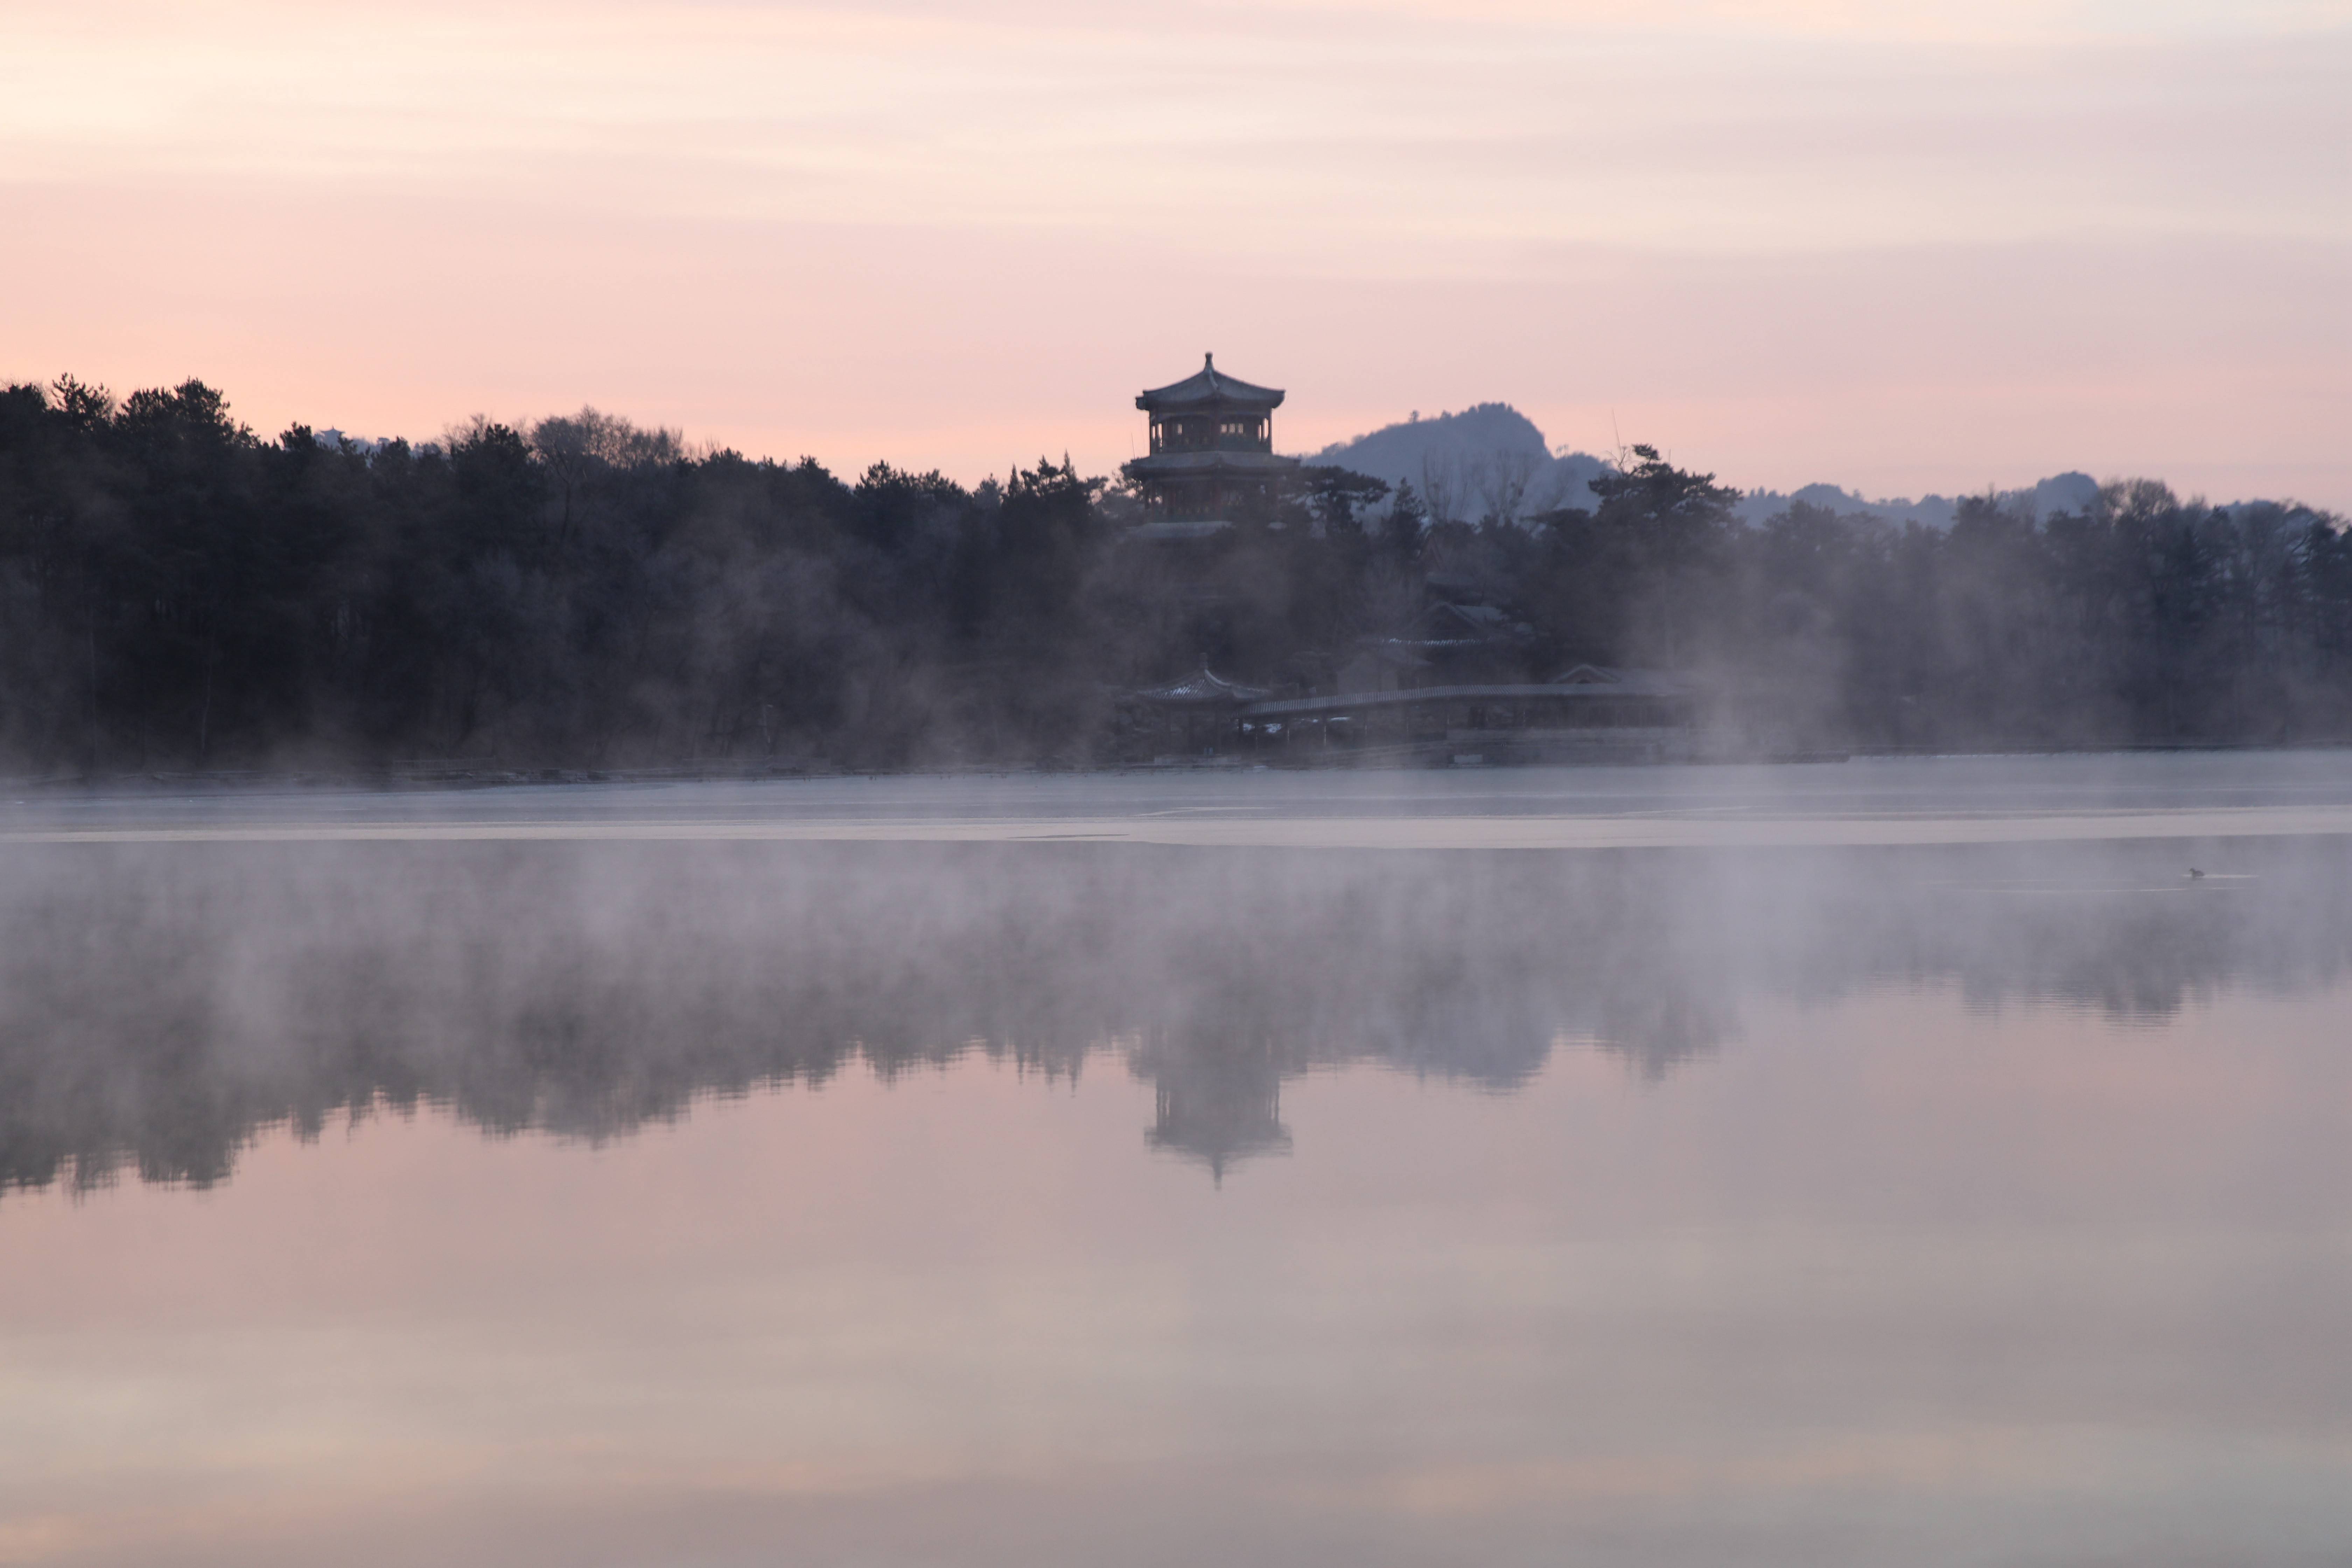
(1442, 487)
(1504, 478)
(575, 446)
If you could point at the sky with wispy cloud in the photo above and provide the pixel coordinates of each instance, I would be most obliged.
(1917, 246)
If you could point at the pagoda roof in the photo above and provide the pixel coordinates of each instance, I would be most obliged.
(1214, 461)
(1206, 387)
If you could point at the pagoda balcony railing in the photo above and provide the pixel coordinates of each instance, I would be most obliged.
(1217, 444)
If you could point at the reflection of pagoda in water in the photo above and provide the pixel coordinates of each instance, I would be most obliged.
(1217, 1105)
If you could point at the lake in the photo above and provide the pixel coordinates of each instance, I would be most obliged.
(1887, 1162)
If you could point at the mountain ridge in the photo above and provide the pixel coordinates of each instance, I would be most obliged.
(1491, 460)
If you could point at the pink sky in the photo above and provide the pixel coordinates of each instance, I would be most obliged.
(1931, 245)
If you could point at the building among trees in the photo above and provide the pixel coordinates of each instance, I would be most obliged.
(178, 593)
(1587, 714)
(1212, 454)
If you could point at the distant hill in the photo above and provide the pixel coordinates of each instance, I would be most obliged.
(2060, 492)
(1490, 460)
(1486, 461)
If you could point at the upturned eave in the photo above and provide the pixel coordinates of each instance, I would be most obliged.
(1209, 387)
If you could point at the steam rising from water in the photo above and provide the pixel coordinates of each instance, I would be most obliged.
(161, 1003)
(1787, 1204)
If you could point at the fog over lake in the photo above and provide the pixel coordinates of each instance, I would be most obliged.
(1931, 1161)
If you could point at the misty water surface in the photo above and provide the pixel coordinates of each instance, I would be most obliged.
(981, 1171)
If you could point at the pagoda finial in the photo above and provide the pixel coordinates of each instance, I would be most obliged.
(1208, 361)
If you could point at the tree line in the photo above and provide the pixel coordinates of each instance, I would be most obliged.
(178, 593)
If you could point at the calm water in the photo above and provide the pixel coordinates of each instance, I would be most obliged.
(1898, 1162)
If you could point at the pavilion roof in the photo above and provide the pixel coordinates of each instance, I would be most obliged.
(1206, 387)
(1215, 461)
(1202, 689)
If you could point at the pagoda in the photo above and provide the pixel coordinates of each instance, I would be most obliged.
(1212, 452)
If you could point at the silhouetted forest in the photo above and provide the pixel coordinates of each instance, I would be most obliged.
(176, 592)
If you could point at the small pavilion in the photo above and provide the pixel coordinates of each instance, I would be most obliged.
(1212, 452)
(1188, 716)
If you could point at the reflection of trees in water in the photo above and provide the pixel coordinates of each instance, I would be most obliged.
(159, 1005)
(1657, 1028)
